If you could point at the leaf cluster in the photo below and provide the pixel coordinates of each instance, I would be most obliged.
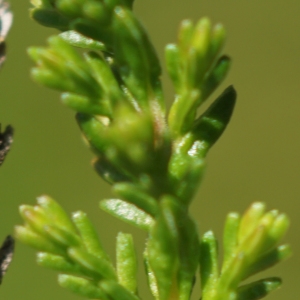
(153, 159)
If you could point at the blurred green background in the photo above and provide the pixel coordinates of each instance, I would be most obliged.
(257, 159)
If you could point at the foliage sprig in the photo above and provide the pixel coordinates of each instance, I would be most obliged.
(154, 160)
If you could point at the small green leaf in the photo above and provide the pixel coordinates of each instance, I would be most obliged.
(152, 283)
(85, 105)
(230, 237)
(215, 77)
(173, 67)
(136, 196)
(268, 259)
(99, 267)
(70, 8)
(258, 289)
(82, 287)
(135, 55)
(35, 217)
(187, 184)
(250, 220)
(209, 272)
(109, 172)
(126, 262)
(61, 236)
(189, 248)
(128, 213)
(183, 112)
(92, 30)
(199, 56)
(278, 230)
(209, 127)
(97, 12)
(50, 18)
(38, 242)
(163, 251)
(57, 263)
(93, 129)
(218, 39)
(89, 236)
(231, 276)
(185, 34)
(64, 50)
(103, 73)
(115, 291)
(252, 247)
(53, 71)
(78, 40)
(56, 213)
(51, 80)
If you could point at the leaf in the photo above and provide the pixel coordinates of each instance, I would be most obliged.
(210, 126)
(136, 196)
(58, 263)
(82, 287)
(50, 18)
(126, 262)
(127, 212)
(101, 268)
(258, 289)
(78, 40)
(209, 264)
(115, 291)
(88, 234)
(269, 259)
(108, 172)
(135, 55)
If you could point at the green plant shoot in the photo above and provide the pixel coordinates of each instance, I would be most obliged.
(153, 159)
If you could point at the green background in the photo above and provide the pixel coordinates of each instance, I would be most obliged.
(257, 159)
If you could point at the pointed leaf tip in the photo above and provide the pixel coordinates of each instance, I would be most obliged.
(210, 126)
